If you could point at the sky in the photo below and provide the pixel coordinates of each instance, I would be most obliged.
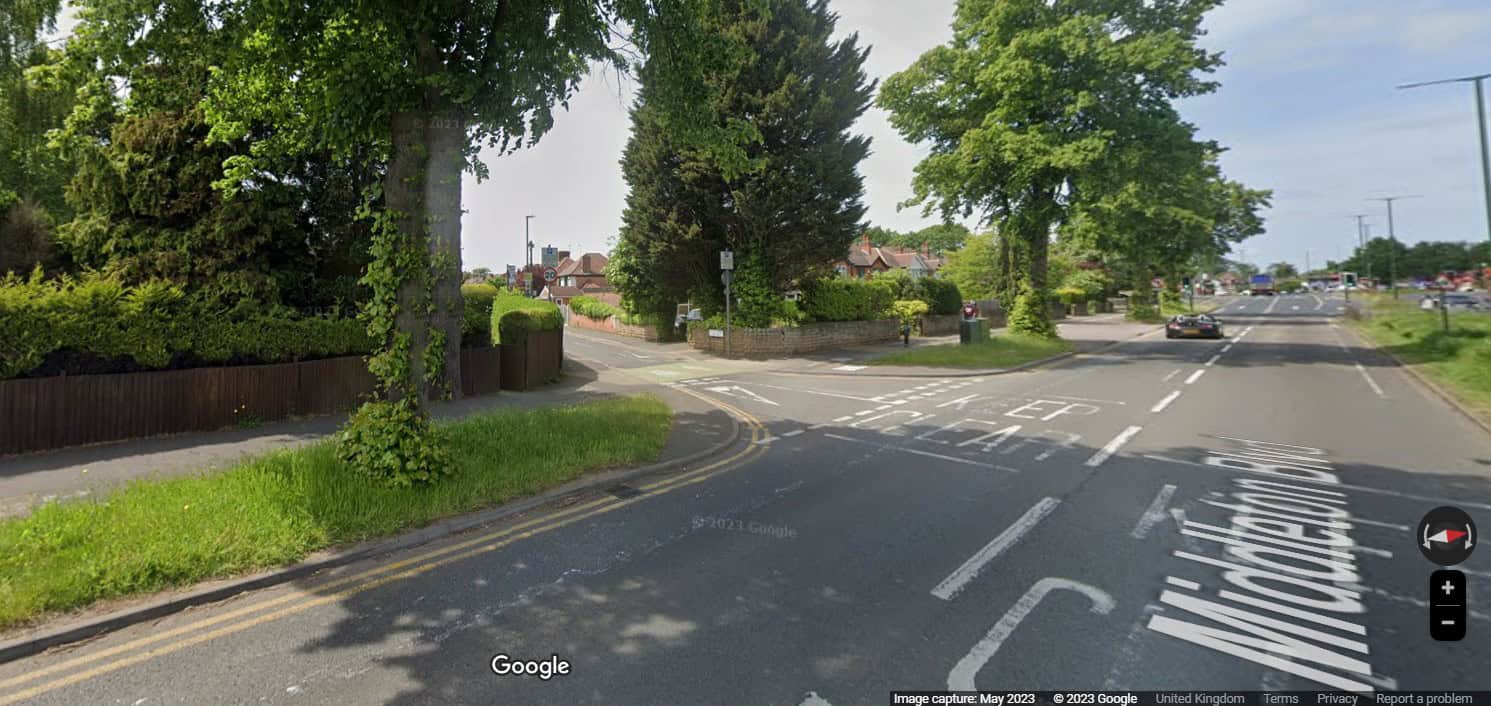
(1307, 107)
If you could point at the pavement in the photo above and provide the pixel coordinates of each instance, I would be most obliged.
(1188, 514)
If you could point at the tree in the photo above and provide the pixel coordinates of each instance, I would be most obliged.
(1283, 270)
(940, 238)
(798, 214)
(975, 267)
(1030, 101)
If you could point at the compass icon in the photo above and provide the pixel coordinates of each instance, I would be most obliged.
(1446, 536)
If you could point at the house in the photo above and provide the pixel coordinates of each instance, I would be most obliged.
(866, 259)
(583, 276)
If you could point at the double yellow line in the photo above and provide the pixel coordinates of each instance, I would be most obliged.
(185, 636)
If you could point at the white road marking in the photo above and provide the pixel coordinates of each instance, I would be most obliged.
(960, 576)
(863, 412)
(730, 390)
(928, 454)
(1154, 514)
(1225, 348)
(1171, 374)
(1213, 360)
(1162, 404)
(766, 440)
(1271, 306)
(883, 407)
(1085, 399)
(1195, 376)
(1372, 551)
(1336, 486)
(812, 391)
(1113, 446)
(1294, 308)
(794, 432)
(1375, 523)
(813, 699)
(849, 368)
(962, 674)
(1182, 583)
(844, 418)
(1369, 379)
(959, 402)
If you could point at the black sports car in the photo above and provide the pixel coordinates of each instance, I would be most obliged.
(1193, 326)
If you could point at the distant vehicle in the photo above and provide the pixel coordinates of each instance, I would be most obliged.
(1193, 326)
(1462, 302)
(1246, 292)
(682, 320)
(1261, 285)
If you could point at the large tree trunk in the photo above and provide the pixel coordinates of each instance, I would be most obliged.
(423, 189)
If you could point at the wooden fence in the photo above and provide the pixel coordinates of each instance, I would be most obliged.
(55, 412)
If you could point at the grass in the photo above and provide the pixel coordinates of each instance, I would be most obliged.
(1003, 351)
(1459, 361)
(277, 508)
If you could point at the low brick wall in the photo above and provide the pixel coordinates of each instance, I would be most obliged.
(611, 325)
(938, 324)
(779, 342)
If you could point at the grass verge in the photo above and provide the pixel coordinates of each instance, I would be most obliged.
(277, 508)
(1003, 351)
(1459, 361)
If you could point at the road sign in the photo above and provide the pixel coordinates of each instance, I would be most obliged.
(727, 260)
(512, 275)
(1157, 283)
(725, 277)
(550, 274)
(550, 256)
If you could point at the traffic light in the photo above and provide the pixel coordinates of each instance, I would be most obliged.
(1348, 279)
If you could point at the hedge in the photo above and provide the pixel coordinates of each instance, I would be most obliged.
(843, 299)
(941, 295)
(593, 308)
(100, 325)
(514, 316)
(476, 315)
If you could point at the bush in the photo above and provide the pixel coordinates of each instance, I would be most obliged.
(514, 316)
(593, 308)
(941, 295)
(843, 299)
(394, 444)
(476, 316)
(1028, 316)
(906, 310)
(99, 325)
(1070, 295)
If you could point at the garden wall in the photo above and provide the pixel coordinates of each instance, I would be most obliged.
(780, 342)
(55, 412)
(612, 325)
(938, 324)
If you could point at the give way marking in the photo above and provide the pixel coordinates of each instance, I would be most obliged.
(730, 390)
(961, 676)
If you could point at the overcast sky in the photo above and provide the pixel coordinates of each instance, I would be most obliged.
(1307, 107)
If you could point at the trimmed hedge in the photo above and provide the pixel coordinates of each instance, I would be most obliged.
(93, 324)
(843, 299)
(476, 315)
(941, 295)
(593, 308)
(514, 316)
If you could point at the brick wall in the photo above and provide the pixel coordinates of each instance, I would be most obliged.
(779, 342)
(611, 325)
(939, 324)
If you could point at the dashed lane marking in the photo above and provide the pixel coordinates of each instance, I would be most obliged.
(1154, 514)
(1195, 376)
(970, 569)
(794, 432)
(1113, 446)
(1162, 404)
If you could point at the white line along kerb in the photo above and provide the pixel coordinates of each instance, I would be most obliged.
(1113, 446)
(960, 576)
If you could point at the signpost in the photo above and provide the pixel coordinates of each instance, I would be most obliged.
(551, 256)
(1190, 292)
(1348, 280)
(727, 269)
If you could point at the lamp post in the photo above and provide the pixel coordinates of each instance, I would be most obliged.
(1392, 250)
(1480, 113)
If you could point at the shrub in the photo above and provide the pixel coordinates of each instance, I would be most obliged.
(1027, 316)
(1070, 295)
(150, 326)
(906, 310)
(842, 299)
(593, 308)
(395, 444)
(514, 316)
(476, 315)
(941, 295)
(758, 302)
(1092, 283)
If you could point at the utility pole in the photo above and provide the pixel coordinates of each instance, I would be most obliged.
(1480, 113)
(1367, 238)
(1392, 236)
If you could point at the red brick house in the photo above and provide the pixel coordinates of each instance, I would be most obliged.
(866, 259)
(583, 276)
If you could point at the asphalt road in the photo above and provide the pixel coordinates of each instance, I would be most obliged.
(1233, 514)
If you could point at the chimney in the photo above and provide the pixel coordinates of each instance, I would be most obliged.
(865, 241)
(585, 263)
(926, 248)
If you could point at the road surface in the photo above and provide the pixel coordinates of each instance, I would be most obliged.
(1233, 514)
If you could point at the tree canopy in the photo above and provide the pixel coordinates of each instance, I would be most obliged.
(787, 221)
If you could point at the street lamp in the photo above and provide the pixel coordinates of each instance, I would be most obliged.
(1480, 113)
(528, 240)
(1392, 250)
